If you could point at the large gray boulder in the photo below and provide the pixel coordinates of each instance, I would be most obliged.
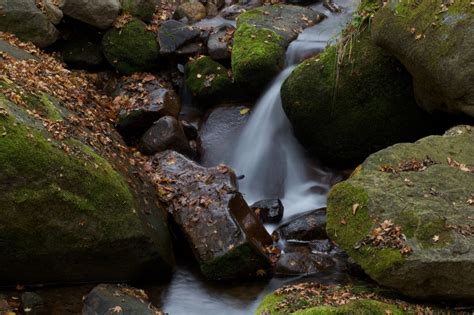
(434, 41)
(27, 22)
(406, 216)
(100, 14)
(226, 237)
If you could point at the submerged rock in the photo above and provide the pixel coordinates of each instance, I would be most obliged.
(145, 100)
(306, 227)
(433, 40)
(165, 134)
(269, 210)
(227, 239)
(100, 14)
(27, 22)
(132, 48)
(111, 299)
(404, 216)
(261, 39)
(344, 112)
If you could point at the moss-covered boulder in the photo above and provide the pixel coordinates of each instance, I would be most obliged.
(132, 48)
(72, 206)
(142, 9)
(309, 298)
(434, 40)
(352, 100)
(261, 39)
(208, 80)
(404, 216)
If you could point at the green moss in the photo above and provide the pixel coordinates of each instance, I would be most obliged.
(268, 305)
(132, 48)
(143, 9)
(356, 307)
(257, 56)
(224, 267)
(59, 202)
(344, 111)
(208, 80)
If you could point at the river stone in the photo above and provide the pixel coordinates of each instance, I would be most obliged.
(192, 10)
(77, 216)
(306, 227)
(226, 237)
(301, 260)
(190, 131)
(436, 45)
(165, 134)
(173, 34)
(100, 14)
(148, 101)
(27, 22)
(54, 14)
(426, 190)
(368, 107)
(132, 48)
(261, 38)
(269, 210)
(142, 9)
(218, 44)
(111, 299)
(233, 11)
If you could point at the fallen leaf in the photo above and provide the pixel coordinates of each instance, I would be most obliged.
(354, 208)
(244, 111)
(435, 238)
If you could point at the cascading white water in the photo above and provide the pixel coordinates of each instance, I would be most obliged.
(267, 153)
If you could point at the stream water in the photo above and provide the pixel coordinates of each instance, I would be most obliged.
(261, 147)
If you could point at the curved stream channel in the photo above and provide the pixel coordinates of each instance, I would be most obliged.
(262, 147)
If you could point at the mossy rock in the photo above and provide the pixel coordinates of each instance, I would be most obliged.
(258, 55)
(132, 48)
(82, 53)
(69, 215)
(208, 80)
(435, 45)
(429, 203)
(142, 9)
(343, 111)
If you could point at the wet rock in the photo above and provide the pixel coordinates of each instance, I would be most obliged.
(225, 235)
(435, 45)
(27, 22)
(402, 216)
(146, 101)
(269, 210)
(193, 11)
(233, 11)
(261, 39)
(111, 299)
(208, 80)
(173, 34)
(132, 48)
(31, 303)
(307, 227)
(301, 260)
(374, 108)
(142, 9)
(192, 50)
(100, 14)
(165, 134)
(190, 131)
(218, 44)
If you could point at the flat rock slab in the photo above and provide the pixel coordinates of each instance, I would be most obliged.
(225, 235)
(406, 215)
(173, 34)
(306, 227)
(15, 52)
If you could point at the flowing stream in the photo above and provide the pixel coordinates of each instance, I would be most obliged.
(263, 148)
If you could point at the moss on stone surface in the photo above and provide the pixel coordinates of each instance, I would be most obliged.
(356, 307)
(344, 111)
(257, 56)
(208, 80)
(429, 206)
(131, 48)
(142, 9)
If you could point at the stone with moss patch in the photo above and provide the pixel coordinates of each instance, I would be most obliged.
(421, 188)
(142, 9)
(208, 80)
(66, 213)
(132, 48)
(353, 100)
(433, 39)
